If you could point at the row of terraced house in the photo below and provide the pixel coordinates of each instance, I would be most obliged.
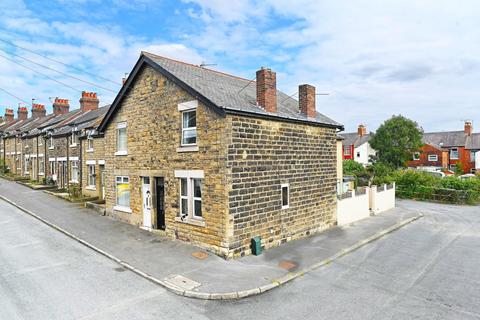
(205, 157)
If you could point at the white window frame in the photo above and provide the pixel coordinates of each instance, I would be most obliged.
(91, 175)
(190, 176)
(73, 139)
(89, 142)
(416, 156)
(121, 152)
(451, 153)
(472, 155)
(282, 186)
(122, 180)
(189, 128)
(27, 162)
(74, 178)
(53, 167)
(51, 144)
(41, 166)
(433, 157)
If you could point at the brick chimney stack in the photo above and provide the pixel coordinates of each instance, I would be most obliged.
(60, 106)
(88, 101)
(22, 113)
(362, 130)
(306, 97)
(9, 115)
(468, 128)
(267, 89)
(38, 110)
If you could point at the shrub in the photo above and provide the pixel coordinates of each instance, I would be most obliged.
(74, 191)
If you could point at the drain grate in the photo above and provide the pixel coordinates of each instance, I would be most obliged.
(182, 282)
(200, 255)
(287, 265)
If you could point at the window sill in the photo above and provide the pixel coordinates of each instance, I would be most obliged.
(93, 188)
(121, 153)
(73, 146)
(51, 148)
(187, 149)
(89, 150)
(193, 221)
(73, 181)
(122, 209)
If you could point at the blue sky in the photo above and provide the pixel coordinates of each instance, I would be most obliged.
(374, 58)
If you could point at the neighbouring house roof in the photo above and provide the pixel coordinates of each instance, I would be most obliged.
(80, 121)
(446, 138)
(223, 92)
(354, 139)
(473, 141)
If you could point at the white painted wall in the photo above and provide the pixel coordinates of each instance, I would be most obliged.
(382, 199)
(363, 153)
(353, 209)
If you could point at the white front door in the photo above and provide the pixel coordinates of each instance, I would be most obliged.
(147, 203)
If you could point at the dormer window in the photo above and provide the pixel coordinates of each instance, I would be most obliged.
(50, 143)
(74, 139)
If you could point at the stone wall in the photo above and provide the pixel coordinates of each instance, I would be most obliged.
(262, 155)
(154, 132)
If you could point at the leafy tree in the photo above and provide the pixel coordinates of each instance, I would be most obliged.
(352, 168)
(396, 140)
(459, 169)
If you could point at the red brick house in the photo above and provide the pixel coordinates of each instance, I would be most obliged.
(447, 149)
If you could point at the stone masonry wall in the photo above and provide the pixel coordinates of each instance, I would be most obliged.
(264, 154)
(97, 154)
(154, 133)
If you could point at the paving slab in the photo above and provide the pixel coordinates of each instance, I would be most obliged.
(158, 258)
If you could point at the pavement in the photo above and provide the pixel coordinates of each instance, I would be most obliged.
(170, 263)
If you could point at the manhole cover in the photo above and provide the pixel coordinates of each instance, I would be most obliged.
(200, 255)
(120, 269)
(287, 265)
(182, 282)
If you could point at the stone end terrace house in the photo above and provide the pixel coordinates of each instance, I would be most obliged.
(217, 160)
(446, 149)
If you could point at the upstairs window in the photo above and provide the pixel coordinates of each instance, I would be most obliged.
(454, 153)
(50, 143)
(416, 156)
(346, 150)
(89, 142)
(121, 138)
(74, 139)
(189, 127)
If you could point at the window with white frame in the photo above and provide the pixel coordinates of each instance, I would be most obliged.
(454, 153)
(416, 156)
(74, 171)
(91, 175)
(121, 138)
(285, 188)
(74, 139)
(52, 167)
(189, 127)
(122, 186)
(89, 142)
(41, 165)
(27, 164)
(472, 156)
(191, 187)
(432, 157)
(346, 150)
(50, 143)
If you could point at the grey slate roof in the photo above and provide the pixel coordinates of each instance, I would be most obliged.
(473, 142)
(233, 93)
(355, 139)
(445, 139)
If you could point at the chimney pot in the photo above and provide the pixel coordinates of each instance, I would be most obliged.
(362, 130)
(22, 113)
(267, 89)
(9, 115)
(468, 128)
(306, 97)
(60, 106)
(88, 101)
